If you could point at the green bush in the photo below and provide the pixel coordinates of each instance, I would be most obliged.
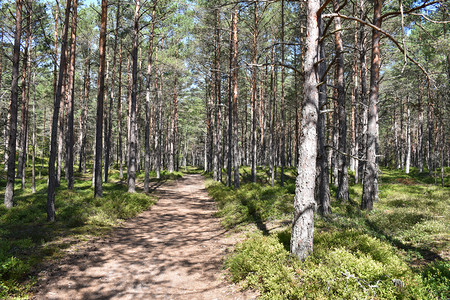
(437, 278)
(263, 263)
(344, 265)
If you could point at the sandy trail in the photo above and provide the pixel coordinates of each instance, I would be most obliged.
(173, 251)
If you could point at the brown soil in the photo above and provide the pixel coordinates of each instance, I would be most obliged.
(173, 251)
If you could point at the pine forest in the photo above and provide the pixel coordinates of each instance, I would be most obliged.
(218, 149)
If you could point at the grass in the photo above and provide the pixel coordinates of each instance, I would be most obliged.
(27, 239)
(400, 250)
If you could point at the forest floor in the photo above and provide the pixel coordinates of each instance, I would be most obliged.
(173, 251)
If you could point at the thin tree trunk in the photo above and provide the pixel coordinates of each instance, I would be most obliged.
(235, 101)
(9, 191)
(84, 114)
(253, 86)
(71, 100)
(147, 103)
(303, 223)
(119, 116)
(230, 106)
(364, 102)
(370, 187)
(26, 69)
(33, 139)
(430, 131)
(51, 214)
(217, 109)
(43, 143)
(133, 127)
(342, 193)
(408, 138)
(354, 163)
(282, 108)
(111, 95)
(420, 127)
(98, 184)
(322, 181)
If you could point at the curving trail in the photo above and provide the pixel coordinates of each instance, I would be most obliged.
(173, 251)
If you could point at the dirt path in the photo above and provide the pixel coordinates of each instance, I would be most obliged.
(173, 251)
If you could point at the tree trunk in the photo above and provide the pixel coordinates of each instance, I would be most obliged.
(253, 91)
(26, 70)
(111, 94)
(133, 127)
(342, 193)
(51, 215)
(363, 121)
(9, 191)
(370, 186)
(147, 104)
(119, 116)
(354, 163)
(420, 127)
(322, 181)
(98, 184)
(408, 138)
(230, 106)
(217, 110)
(33, 139)
(303, 223)
(84, 114)
(71, 100)
(282, 105)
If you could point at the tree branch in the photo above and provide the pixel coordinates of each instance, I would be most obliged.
(383, 32)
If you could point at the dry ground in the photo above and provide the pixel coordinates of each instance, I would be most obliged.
(173, 251)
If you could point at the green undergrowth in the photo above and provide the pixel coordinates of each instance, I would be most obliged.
(397, 251)
(27, 239)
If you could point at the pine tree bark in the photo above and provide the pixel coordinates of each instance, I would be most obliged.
(364, 103)
(408, 138)
(26, 71)
(84, 113)
(71, 100)
(253, 87)
(282, 108)
(147, 102)
(303, 223)
(119, 116)
(98, 184)
(235, 101)
(217, 99)
(342, 193)
(354, 163)
(370, 186)
(420, 127)
(9, 191)
(133, 127)
(322, 177)
(51, 214)
(111, 94)
(33, 140)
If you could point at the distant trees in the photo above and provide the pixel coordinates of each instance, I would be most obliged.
(222, 86)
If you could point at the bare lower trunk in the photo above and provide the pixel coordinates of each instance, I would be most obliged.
(322, 181)
(71, 100)
(408, 141)
(342, 193)
(52, 183)
(33, 140)
(133, 127)
(420, 128)
(9, 191)
(370, 187)
(303, 223)
(98, 184)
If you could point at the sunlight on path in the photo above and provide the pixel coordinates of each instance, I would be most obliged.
(173, 251)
